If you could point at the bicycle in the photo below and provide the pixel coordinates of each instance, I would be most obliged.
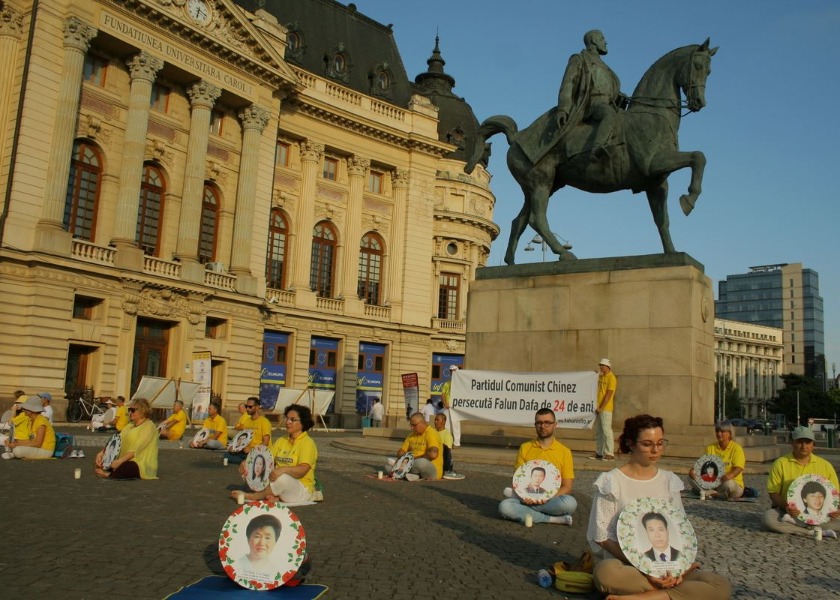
(84, 405)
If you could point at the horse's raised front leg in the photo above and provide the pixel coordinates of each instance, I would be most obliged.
(517, 226)
(658, 201)
(539, 222)
(666, 163)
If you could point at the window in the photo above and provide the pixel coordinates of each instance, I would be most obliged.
(94, 69)
(85, 307)
(82, 191)
(282, 154)
(330, 169)
(217, 119)
(330, 361)
(275, 260)
(323, 260)
(160, 97)
(375, 182)
(448, 296)
(293, 41)
(339, 64)
(152, 189)
(370, 269)
(215, 329)
(209, 226)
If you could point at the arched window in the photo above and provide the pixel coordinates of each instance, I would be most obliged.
(83, 191)
(370, 268)
(209, 226)
(275, 260)
(152, 190)
(322, 271)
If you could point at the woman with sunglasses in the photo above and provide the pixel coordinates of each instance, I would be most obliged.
(643, 440)
(138, 457)
(295, 457)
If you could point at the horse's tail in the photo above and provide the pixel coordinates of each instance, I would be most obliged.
(489, 128)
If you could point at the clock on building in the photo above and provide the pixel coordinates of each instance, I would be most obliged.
(198, 11)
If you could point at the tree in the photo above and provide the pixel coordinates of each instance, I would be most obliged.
(813, 401)
(732, 400)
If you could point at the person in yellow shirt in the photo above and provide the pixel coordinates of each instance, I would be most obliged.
(216, 425)
(121, 418)
(732, 483)
(424, 444)
(607, 384)
(258, 424)
(173, 428)
(40, 442)
(243, 417)
(138, 457)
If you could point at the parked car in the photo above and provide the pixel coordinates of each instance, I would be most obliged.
(751, 425)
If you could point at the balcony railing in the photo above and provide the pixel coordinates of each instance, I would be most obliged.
(164, 268)
(224, 281)
(449, 325)
(382, 313)
(280, 297)
(90, 252)
(331, 305)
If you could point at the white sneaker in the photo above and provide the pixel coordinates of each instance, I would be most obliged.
(411, 477)
(830, 533)
(8, 455)
(80, 454)
(452, 475)
(507, 492)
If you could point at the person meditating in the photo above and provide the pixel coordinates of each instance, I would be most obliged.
(173, 428)
(40, 442)
(138, 457)
(217, 439)
(643, 439)
(295, 457)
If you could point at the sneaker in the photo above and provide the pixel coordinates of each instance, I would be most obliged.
(317, 496)
(8, 455)
(829, 533)
(595, 457)
(68, 452)
(80, 453)
(411, 477)
(452, 475)
(74, 453)
(507, 492)
(608, 457)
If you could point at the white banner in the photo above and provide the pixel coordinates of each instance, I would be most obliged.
(514, 398)
(201, 371)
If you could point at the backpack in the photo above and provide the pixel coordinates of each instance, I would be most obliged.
(62, 442)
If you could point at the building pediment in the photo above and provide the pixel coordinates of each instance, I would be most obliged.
(218, 28)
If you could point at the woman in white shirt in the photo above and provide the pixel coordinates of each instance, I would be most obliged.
(640, 477)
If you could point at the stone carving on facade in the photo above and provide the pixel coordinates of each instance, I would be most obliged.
(371, 222)
(78, 34)
(144, 66)
(92, 128)
(157, 150)
(222, 25)
(399, 177)
(328, 212)
(479, 207)
(11, 22)
(452, 345)
(311, 151)
(254, 117)
(213, 170)
(203, 94)
(283, 199)
(356, 165)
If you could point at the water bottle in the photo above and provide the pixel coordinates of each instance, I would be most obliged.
(544, 578)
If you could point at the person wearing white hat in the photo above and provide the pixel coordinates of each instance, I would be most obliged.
(452, 422)
(41, 442)
(607, 384)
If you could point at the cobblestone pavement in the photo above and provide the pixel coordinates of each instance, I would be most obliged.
(92, 539)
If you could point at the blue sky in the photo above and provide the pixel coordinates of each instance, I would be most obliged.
(770, 190)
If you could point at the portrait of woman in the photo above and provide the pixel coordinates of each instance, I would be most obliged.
(258, 471)
(262, 534)
(710, 472)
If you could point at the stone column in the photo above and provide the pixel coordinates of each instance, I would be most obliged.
(396, 247)
(254, 119)
(51, 236)
(10, 35)
(348, 273)
(301, 259)
(143, 69)
(202, 97)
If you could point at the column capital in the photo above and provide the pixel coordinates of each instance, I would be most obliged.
(356, 165)
(11, 23)
(144, 66)
(78, 34)
(203, 94)
(400, 178)
(311, 151)
(254, 117)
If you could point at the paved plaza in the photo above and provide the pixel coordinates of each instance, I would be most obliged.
(92, 539)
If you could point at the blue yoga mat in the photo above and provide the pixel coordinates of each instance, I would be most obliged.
(220, 586)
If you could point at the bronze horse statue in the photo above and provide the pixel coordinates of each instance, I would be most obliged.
(642, 151)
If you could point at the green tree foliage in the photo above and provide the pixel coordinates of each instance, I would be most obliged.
(813, 401)
(730, 394)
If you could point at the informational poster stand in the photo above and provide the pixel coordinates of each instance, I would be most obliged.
(318, 401)
(162, 392)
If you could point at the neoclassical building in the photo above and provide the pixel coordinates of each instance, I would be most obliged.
(188, 178)
(752, 357)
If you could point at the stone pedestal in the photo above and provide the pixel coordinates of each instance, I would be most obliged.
(652, 316)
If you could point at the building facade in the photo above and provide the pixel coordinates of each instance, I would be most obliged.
(201, 178)
(786, 296)
(752, 358)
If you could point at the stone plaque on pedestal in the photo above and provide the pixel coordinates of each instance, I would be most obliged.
(652, 316)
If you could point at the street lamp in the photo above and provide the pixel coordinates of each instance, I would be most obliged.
(567, 245)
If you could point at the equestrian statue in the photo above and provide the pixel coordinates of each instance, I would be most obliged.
(598, 140)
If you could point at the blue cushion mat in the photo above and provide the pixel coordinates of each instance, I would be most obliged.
(220, 586)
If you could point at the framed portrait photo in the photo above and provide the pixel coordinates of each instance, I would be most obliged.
(656, 537)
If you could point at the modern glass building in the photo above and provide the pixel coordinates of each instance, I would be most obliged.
(785, 296)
